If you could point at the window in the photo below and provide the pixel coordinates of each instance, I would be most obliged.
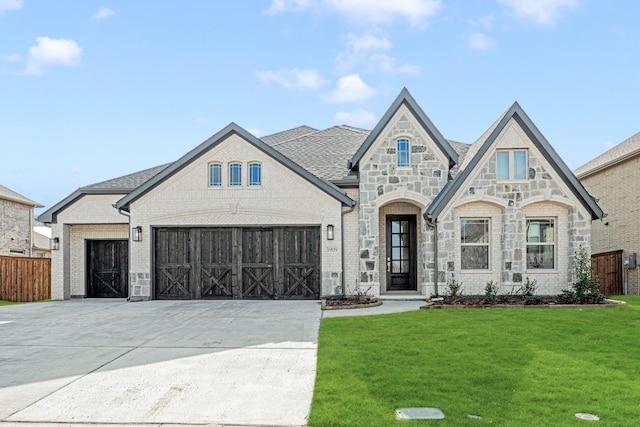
(235, 174)
(403, 153)
(541, 242)
(215, 175)
(511, 165)
(255, 174)
(474, 244)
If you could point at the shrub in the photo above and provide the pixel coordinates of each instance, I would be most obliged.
(529, 287)
(587, 284)
(567, 297)
(455, 286)
(491, 293)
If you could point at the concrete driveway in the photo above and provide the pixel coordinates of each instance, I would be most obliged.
(111, 361)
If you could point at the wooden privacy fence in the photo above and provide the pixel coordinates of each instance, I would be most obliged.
(25, 279)
(608, 267)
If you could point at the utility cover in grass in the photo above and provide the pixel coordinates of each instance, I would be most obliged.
(588, 417)
(419, 414)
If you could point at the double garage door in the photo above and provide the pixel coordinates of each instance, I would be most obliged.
(238, 263)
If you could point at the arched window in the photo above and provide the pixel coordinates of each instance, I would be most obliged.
(235, 174)
(215, 175)
(403, 153)
(255, 174)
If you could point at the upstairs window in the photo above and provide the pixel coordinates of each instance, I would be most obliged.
(511, 165)
(235, 174)
(215, 175)
(474, 244)
(255, 174)
(541, 244)
(403, 153)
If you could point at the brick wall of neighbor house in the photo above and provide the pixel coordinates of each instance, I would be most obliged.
(508, 206)
(382, 182)
(186, 199)
(67, 264)
(620, 199)
(15, 228)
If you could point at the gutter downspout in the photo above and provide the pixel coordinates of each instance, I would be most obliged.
(343, 213)
(433, 224)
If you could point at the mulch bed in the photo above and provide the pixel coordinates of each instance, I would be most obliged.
(347, 302)
(505, 301)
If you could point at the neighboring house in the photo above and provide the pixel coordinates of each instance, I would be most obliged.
(41, 241)
(308, 212)
(611, 177)
(16, 223)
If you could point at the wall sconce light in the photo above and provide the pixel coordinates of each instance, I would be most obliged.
(54, 244)
(136, 234)
(330, 232)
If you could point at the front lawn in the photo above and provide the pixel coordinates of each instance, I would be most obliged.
(512, 367)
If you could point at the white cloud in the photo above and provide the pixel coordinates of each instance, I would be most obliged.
(365, 11)
(10, 5)
(387, 65)
(255, 132)
(52, 52)
(75, 169)
(282, 6)
(359, 117)
(479, 41)
(608, 145)
(357, 50)
(293, 78)
(103, 13)
(484, 21)
(351, 88)
(542, 12)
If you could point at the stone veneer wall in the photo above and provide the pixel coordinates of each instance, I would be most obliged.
(509, 205)
(382, 182)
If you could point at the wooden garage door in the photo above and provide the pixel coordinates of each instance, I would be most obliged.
(107, 269)
(250, 262)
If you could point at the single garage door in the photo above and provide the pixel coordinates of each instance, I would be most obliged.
(107, 269)
(238, 263)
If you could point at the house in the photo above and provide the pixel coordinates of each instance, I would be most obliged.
(16, 223)
(611, 177)
(308, 212)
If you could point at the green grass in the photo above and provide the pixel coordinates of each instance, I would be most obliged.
(2, 302)
(513, 367)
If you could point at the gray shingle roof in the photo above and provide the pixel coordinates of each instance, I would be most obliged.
(127, 182)
(286, 135)
(325, 153)
(626, 149)
(8, 194)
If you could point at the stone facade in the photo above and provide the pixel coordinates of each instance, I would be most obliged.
(383, 183)
(543, 195)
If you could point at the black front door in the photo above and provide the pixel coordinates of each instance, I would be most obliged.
(108, 269)
(401, 252)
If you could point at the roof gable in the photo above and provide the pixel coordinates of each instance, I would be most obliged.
(481, 146)
(216, 139)
(405, 98)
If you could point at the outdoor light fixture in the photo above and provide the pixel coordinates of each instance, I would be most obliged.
(330, 232)
(136, 234)
(54, 244)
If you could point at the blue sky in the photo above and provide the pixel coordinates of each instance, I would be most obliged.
(93, 90)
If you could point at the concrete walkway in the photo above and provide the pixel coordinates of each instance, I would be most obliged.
(239, 363)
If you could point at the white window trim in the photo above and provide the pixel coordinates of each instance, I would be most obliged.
(249, 164)
(229, 176)
(488, 244)
(511, 179)
(408, 165)
(210, 164)
(555, 245)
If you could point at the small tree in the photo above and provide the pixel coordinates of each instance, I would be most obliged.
(587, 284)
(455, 286)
